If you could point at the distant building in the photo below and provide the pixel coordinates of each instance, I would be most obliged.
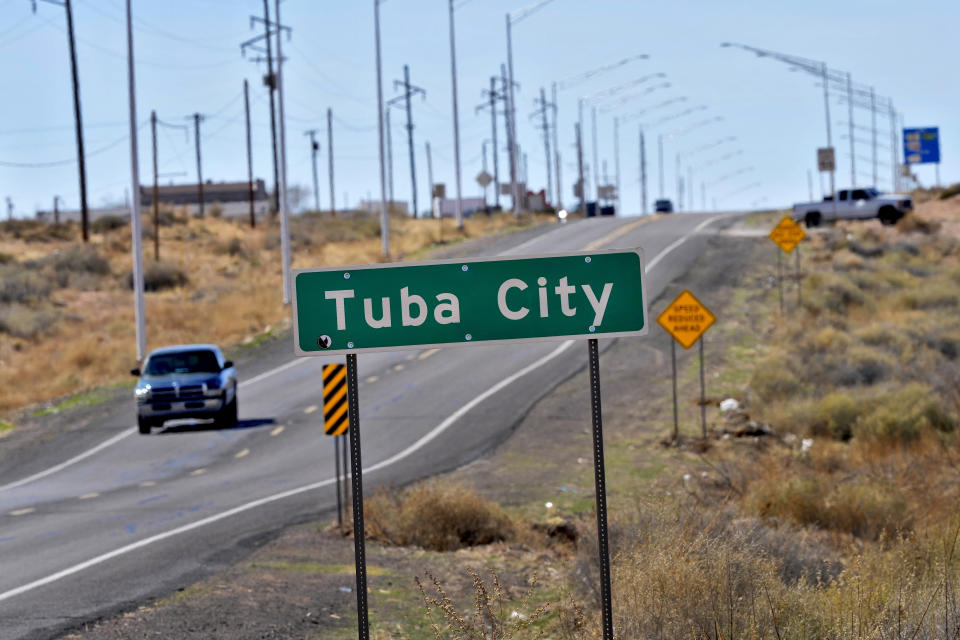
(448, 206)
(373, 206)
(231, 198)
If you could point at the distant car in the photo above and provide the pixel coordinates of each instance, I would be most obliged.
(854, 204)
(663, 206)
(186, 381)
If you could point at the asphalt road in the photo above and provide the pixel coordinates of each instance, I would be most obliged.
(140, 516)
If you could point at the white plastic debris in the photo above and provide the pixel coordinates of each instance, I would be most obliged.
(548, 505)
(516, 615)
(805, 445)
(729, 405)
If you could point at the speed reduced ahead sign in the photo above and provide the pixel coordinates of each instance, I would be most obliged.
(351, 310)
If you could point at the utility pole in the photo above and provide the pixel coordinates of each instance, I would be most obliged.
(456, 125)
(616, 161)
(409, 91)
(138, 304)
(246, 108)
(493, 96)
(333, 206)
(156, 205)
(596, 162)
(314, 149)
(9, 209)
(544, 106)
(430, 177)
(269, 81)
(853, 155)
(660, 162)
(77, 119)
(56, 209)
(386, 115)
(643, 173)
(873, 123)
(511, 131)
(826, 103)
(384, 218)
(810, 184)
(556, 147)
(197, 119)
(583, 184)
(483, 146)
(284, 203)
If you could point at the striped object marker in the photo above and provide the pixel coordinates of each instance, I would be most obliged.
(335, 418)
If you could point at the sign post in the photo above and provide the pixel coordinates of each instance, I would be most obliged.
(686, 319)
(335, 420)
(369, 308)
(787, 235)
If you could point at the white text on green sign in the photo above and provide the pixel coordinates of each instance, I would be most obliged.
(406, 306)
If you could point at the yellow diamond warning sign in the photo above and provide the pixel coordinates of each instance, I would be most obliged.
(787, 234)
(686, 319)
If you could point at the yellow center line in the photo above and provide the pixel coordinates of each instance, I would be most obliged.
(197, 472)
(148, 483)
(429, 352)
(242, 454)
(398, 367)
(22, 512)
(613, 235)
(372, 379)
(310, 409)
(277, 431)
(88, 496)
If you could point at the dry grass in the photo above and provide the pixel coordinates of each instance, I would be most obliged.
(218, 281)
(435, 516)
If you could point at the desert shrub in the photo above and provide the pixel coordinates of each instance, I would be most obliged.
(931, 296)
(80, 259)
(774, 378)
(865, 508)
(847, 261)
(903, 416)
(831, 292)
(215, 210)
(23, 283)
(436, 517)
(232, 247)
(950, 191)
(792, 499)
(860, 365)
(108, 223)
(324, 228)
(6, 258)
(838, 413)
(160, 275)
(887, 337)
(24, 322)
(912, 222)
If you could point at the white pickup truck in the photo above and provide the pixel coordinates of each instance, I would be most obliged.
(855, 204)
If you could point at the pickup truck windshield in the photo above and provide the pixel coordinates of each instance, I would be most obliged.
(186, 362)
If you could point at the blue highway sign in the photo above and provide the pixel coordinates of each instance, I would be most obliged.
(921, 145)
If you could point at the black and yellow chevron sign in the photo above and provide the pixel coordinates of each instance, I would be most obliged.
(335, 419)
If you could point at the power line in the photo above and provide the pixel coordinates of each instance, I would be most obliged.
(59, 163)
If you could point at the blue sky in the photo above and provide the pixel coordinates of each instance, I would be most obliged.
(188, 60)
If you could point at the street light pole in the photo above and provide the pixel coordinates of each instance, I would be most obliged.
(456, 118)
(138, 303)
(284, 201)
(384, 219)
(826, 104)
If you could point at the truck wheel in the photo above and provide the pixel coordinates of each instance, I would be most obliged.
(889, 216)
(812, 219)
(229, 415)
(144, 425)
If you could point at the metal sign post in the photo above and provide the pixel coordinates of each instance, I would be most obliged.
(787, 235)
(367, 308)
(686, 319)
(799, 282)
(601, 489)
(356, 477)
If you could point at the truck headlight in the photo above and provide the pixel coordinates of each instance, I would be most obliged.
(143, 393)
(212, 391)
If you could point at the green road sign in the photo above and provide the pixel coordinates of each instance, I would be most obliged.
(462, 302)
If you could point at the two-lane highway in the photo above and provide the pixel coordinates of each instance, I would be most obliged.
(139, 516)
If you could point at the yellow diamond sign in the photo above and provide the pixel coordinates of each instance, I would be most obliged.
(686, 319)
(787, 234)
